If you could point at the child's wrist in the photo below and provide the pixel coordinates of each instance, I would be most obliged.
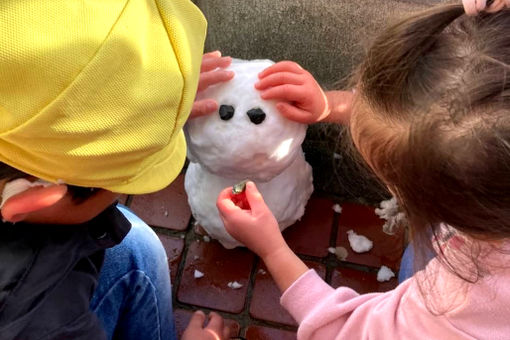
(276, 253)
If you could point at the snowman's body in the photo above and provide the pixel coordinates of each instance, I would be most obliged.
(246, 139)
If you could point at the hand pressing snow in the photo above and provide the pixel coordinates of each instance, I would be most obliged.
(359, 243)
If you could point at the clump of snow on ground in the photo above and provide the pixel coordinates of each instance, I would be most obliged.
(385, 274)
(234, 285)
(341, 253)
(389, 210)
(332, 250)
(359, 243)
(198, 274)
(337, 208)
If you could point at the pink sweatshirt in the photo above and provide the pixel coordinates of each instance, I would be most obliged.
(475, 311)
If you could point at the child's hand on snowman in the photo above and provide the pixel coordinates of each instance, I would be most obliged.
(300, 97)
(248, 219)
(212, 71)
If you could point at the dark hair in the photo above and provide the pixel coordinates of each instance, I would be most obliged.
(79, 194)
(433, 122)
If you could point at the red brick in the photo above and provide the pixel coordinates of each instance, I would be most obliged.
(173, 247)
(311, 235)
(220, 266)
(167, 208)
(265, 333)
(362, 282)
(265, 302)
(182, 317)
(387, 249)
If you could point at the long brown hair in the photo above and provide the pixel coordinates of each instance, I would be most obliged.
(433, 122)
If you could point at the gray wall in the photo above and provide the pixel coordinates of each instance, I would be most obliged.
(327, 37)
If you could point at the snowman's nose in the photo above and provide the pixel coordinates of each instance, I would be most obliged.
(257, 116)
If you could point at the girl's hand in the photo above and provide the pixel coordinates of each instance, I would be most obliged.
(248, 219)
(211, 72)
(215, 329)
(300, 96)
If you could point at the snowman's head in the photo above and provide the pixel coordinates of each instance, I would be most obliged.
(246, 137)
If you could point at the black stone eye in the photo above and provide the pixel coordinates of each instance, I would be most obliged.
(257, 116)
(226, 112)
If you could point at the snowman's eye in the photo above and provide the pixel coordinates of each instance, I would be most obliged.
(257, 116)
(226, 112)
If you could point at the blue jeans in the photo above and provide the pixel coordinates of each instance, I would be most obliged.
(406, 264)
(134, 297)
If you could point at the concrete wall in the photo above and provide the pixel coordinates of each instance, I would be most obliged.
(327, 37)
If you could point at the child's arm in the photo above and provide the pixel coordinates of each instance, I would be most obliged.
(212, 71)
(300, 96)
(257, 228)
(321, 311)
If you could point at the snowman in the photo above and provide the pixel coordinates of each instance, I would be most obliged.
(246, 138)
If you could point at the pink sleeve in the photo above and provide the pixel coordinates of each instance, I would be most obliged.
(325, 313)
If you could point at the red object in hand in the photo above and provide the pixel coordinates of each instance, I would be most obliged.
(240, 200)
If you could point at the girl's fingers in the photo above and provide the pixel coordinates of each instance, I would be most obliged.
(213, 77)
(215, 54)
(197, 320)
(279, 78)
(226, 332)
(282, 66)
(293, 113)
(203, 108)
(211, 63)
(215, 323)
(224, 202)
(290, 93)
(254, 197)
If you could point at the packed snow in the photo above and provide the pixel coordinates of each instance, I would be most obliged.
(198, 274)
(234, 285)
(341, 253)
(337, 208)
(389, 210)
(267, 150)
(385, 274)
(359, 243)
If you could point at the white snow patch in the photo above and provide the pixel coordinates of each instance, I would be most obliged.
(389, 210)
(359, 243)
(337, 208)
(207, 238)
(385, 274)
(234, 285)
(341, 253)
(332, 250)
(198, 274)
